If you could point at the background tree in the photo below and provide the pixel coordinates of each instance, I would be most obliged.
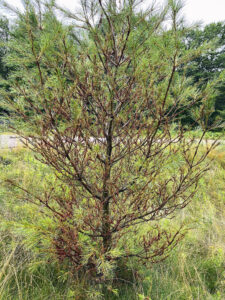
(100, 115)
(211, 64)
(4, 37)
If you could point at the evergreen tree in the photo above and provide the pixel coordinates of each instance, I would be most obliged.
(4, 37)
(98, 99)
(211, 64)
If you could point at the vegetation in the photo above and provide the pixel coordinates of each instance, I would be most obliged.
(202, 69)
(102, 193)
(98, 106)
(4, 37)
(210, 64)
(194, 270)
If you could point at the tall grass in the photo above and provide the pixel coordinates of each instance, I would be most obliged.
(195, 269)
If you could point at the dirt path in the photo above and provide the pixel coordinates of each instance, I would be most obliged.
(9, 141)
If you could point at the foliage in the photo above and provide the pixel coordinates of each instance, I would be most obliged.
(4, 36)
(194, 270)
(98, 100)
(210, 64)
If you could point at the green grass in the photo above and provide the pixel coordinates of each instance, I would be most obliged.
(212, 135)
(194, 270)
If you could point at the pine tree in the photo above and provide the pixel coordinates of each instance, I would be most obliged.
(99, 99)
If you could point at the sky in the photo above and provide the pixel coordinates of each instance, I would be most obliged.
(207, 11)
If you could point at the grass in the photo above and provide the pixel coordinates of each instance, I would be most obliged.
(212, 135)
(195, 269)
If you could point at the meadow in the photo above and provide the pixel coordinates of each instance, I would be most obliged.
(28, 269)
